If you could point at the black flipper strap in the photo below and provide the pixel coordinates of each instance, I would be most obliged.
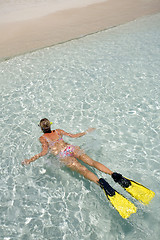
(107, 188)
(124, 182)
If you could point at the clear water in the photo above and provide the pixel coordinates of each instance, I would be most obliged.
(110, 81)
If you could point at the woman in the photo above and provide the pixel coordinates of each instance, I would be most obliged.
(67, 153)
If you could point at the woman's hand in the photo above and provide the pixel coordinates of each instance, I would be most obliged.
(90, 130)
(25, 162)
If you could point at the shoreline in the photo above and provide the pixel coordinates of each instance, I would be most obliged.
(30, 35)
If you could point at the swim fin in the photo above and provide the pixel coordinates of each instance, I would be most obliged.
(120, 203)
(135, 189)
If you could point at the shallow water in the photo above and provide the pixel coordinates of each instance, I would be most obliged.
(110, 81)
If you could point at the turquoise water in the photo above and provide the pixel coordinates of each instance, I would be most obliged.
(110, 81)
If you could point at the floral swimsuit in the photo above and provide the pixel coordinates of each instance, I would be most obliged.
(66, 152)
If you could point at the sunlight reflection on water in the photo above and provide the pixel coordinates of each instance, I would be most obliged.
(110, 81)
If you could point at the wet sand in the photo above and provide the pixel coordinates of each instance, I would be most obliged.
(29, 35)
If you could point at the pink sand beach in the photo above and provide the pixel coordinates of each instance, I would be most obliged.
(18, 37)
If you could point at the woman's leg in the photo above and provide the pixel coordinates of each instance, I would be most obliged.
(74, 165)
(86, 159)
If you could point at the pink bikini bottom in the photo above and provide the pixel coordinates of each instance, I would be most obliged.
(67, 152)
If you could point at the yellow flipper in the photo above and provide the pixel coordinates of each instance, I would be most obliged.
(122, 205)
(119, 202)
(140, 192)
(137, 190)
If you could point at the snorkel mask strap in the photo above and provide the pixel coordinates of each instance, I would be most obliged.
(42, 128)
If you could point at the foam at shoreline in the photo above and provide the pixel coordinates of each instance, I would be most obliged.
(25, 36)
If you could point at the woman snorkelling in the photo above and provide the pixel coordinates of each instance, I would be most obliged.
(68, 154)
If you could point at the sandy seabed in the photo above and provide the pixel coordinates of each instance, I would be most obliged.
(29, 35)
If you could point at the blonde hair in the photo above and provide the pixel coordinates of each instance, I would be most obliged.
(45, 125)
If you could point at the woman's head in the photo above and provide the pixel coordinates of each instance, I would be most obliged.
(45, 125)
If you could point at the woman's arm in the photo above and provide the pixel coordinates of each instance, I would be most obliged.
(42, 153)
(77, 135)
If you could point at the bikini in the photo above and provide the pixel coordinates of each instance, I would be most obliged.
(68, 151)
(51, 143)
